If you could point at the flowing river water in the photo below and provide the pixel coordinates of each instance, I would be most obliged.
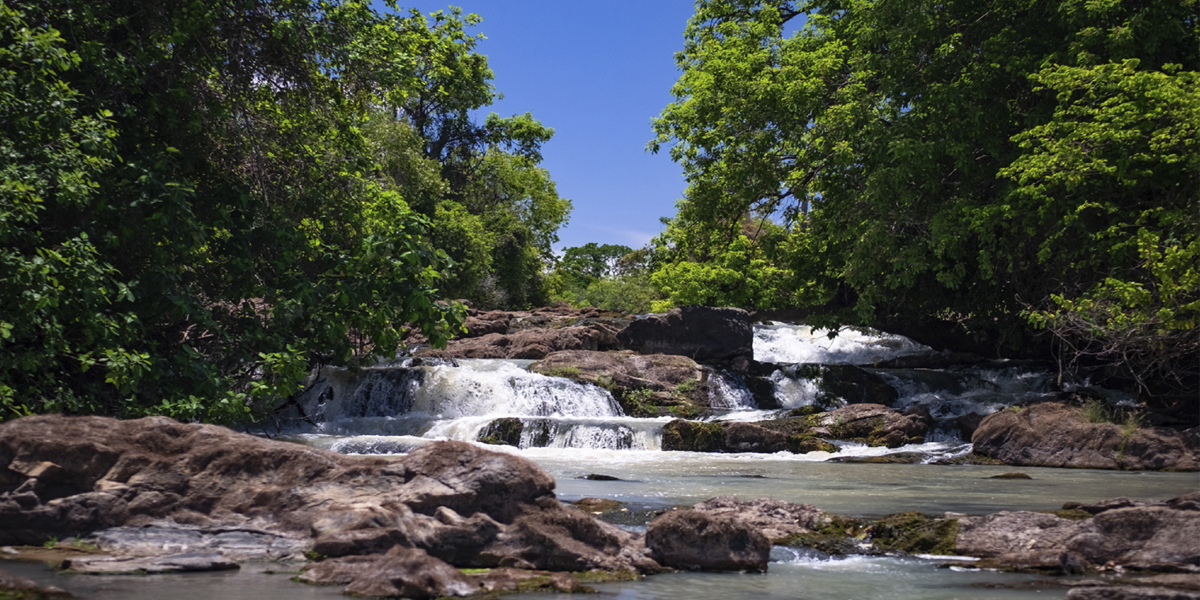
(574, 431)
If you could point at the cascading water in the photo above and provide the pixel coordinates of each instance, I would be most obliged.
(783, 343)
(393, 408)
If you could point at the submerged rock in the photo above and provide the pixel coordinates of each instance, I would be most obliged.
(698, 541)
(1054, 434)
(702, 333)
(23, 588)
(187, 562)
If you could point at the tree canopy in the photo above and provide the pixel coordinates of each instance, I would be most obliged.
(1005, 167)
(199, 202)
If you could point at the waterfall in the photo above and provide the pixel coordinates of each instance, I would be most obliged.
(781, 343)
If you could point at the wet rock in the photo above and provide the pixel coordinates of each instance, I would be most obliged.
(693, 540)
(871, 424)
(747, 437)
(645, 385)
(775, 519)
(693, 436)
(702, 333)
(1054, 434)
(171, 563)
(967, 424)
(896, 458)
(456, 501)
(506, 431)
(600, 477)
(23, 588)
(1011, 476)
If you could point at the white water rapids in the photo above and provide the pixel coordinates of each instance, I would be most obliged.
(392, 408)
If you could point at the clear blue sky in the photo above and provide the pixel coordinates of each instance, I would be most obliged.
(596, 72)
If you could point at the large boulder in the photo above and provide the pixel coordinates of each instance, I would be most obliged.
(462, 504)
(645, 385)
(776, 519)
(702, 333)
(697, 541)
(1054, 434)
(1160, 537)
(871, 424)
(696, 436)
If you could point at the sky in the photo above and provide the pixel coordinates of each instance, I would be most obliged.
(597, 72)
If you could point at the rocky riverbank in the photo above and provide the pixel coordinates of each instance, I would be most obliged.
(155, 495)
(684, 363)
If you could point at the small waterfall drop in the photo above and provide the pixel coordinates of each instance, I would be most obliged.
(782, 343)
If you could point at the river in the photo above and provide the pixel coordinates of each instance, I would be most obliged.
(574, 430)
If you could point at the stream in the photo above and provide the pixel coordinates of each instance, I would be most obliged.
(574, 430)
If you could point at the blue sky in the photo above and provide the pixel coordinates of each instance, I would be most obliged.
(596, 72)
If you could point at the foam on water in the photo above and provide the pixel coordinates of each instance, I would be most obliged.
(953, 393)
(783, 343)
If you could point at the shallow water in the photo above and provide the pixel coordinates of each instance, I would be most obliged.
(792, 574)
(580, 431)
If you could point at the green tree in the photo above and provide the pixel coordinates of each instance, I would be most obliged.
(494, 211)
(965, 163)
(187, 217)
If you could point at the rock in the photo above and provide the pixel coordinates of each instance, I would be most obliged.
(1130, 592)
(775, 519)
(236, 544)
(871, 424)
(457, 502)
(748, 437)
(645, 385)
(171, 563)
(23, 588)
(600, 477)
(1054, 434)
(693, 540)
(404, 572)
(534, 343)
(1011, 476)
(967, 424)
(598, 505)
(1157, 536)
(702, 333)
(506, 432)
(693, 436)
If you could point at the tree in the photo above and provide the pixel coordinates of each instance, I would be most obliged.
(966, 162)
(187, 219)
(494, 211)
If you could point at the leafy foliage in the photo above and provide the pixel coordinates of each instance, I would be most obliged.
(493, 210)
(606, 276)
(186, 221)
(1004, 166)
